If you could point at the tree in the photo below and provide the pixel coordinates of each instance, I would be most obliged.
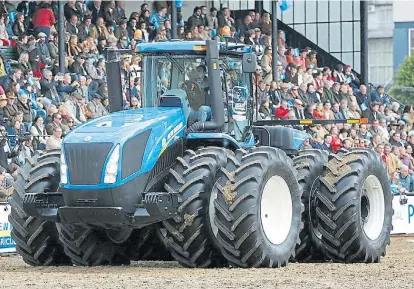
(403, 88)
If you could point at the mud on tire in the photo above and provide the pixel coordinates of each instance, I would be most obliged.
(248, 188)
(189, 235)
(36, 240)
(355, 211)
(310, 166)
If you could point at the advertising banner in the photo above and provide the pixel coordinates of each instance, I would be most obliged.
(7, 245)
(403, 219)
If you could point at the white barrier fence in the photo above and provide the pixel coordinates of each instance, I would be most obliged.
(402, 221)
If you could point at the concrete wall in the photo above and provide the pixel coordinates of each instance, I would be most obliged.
(403, 11)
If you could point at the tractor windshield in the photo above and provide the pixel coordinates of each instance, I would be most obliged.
(189, 72)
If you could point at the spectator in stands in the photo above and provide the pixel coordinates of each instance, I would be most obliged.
(24, 64)
(327, 140)
(95, 107)
(14, 76)
(73, 8)
(281, 56)
(297, 111)
(225, 18)
(266, 65)
(43, 19)
(75, 111)
(24, 107)
(212, 19)
(18, 26)
(395, 140)
(291, 75)
(11, 108)
(49, 88)
(195, 19)
(55, 120)
(110, 13)
(39, 133)
(372, 112)
(122, 31)
(72, 25)
(43, 49)
(265, 24)
(379, 95)
(96, 11)
(282, 112)
(66, 86)
(55, 140)
(87, 29)
(327, 112)
(405, 179)
(311, 60)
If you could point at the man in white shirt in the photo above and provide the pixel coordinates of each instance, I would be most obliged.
(55, 140)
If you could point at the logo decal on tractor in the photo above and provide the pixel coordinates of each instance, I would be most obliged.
(87, 138)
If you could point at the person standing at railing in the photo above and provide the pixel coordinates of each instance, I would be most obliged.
(6, 188)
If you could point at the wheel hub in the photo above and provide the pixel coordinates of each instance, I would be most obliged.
(372, 207)
(276, 210)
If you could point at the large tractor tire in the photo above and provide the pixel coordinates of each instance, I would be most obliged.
(86, 246)
(145, 245)
(310, 166)
(189, 234)
(258, 210)
(355, 208)
(36, 240)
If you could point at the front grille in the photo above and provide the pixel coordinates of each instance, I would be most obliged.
(167, 159)
(85, 162)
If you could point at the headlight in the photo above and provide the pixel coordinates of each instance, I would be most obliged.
(111, 170)
(63, 169)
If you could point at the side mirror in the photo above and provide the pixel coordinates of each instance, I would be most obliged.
(249, 62)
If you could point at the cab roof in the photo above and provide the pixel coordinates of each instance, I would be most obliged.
(188, 46)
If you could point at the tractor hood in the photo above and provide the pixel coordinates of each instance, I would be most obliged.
(142, 135)
(120, 126)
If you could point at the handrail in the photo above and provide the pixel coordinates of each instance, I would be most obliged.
(309, 121)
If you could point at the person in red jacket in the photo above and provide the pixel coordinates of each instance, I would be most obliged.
(336, 142)
(282, 111)
(43, 19)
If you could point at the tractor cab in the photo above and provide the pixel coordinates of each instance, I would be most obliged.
(177, 74)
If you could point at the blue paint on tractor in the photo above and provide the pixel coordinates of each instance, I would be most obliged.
(166, 124)
(299, 138)
(185, 47)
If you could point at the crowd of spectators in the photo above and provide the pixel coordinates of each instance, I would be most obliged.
(37, 99)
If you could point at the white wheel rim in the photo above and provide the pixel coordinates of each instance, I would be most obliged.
(372, 207)
(276, 210)
(211, 212)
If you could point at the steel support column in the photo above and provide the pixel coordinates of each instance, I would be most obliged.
(274, 40)
(61, 39)
(364, 41)
(174, 20)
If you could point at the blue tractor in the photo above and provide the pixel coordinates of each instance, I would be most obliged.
(194, 171)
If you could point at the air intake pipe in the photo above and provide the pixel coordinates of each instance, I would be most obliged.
(113, 74)
(215, 97)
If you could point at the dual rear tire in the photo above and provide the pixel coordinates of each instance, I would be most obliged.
(355, 208)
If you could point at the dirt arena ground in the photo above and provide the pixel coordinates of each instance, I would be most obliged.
(395, 271)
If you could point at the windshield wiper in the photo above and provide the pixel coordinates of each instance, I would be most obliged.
(175, 62)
